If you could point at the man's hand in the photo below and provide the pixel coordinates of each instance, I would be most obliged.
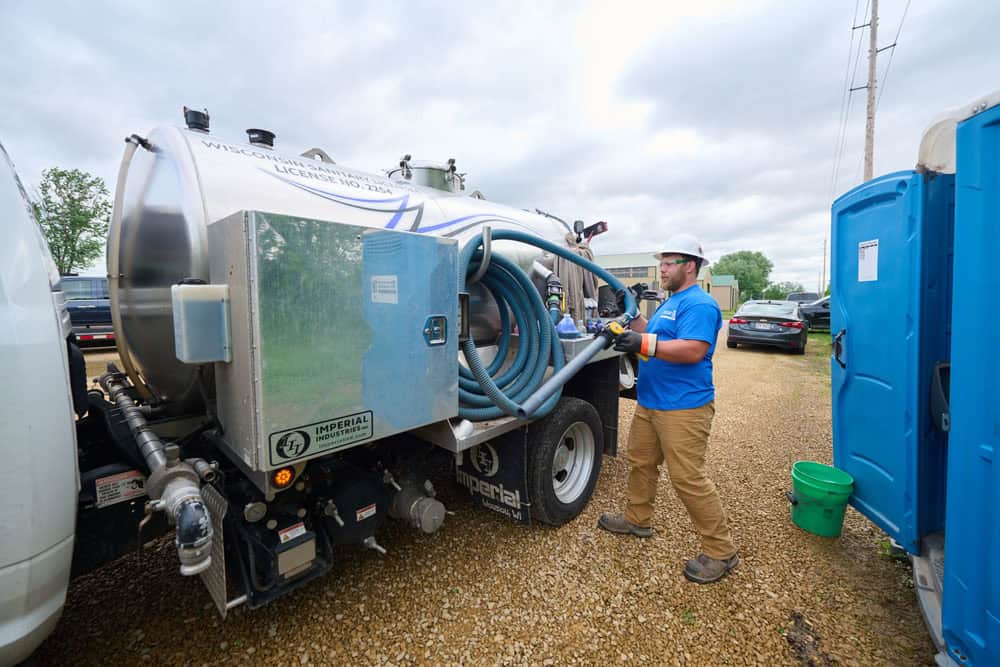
(637, 291)
(643, 344)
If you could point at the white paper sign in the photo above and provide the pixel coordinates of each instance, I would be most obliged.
(385, 289)
(868, 261)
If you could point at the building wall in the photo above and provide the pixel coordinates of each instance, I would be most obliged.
(725, 296)
(651, 276)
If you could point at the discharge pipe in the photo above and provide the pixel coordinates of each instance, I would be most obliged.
(173, 485)
(485, 392)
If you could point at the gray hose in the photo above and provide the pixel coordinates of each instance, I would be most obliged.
(173, 485)
(561, 377)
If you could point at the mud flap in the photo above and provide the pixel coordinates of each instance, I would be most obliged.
(214, 577)
(495, 474)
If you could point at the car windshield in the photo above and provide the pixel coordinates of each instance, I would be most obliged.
(767, 310)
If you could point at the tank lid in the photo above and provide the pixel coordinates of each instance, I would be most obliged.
(196, 120)
(937, 145)
(261, 137)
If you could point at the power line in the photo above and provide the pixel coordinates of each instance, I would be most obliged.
(850, 98)
(895, 41)
(841, 119)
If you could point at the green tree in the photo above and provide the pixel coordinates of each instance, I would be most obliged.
(781, 290)
(751, 269)
(74, 211)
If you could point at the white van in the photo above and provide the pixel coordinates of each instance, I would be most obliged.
(36, 417)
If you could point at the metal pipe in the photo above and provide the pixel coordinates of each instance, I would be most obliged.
(484, 263)
(541, 270)
(173, 486)
(114, 275)
(204, 469)
(561, 377)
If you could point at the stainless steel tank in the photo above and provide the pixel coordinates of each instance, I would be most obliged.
(181, 180)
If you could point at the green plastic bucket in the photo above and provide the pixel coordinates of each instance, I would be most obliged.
(819, 497)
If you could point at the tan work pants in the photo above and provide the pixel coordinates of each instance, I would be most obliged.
(679, 437)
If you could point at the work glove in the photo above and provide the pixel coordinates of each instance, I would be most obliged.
(636, 343)
(637, 291)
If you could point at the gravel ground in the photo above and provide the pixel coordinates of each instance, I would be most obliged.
(483, 591)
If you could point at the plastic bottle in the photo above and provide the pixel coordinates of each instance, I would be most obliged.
(567, 328)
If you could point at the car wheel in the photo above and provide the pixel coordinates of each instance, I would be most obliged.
(800, 350)
(730, 343)
(564, 461)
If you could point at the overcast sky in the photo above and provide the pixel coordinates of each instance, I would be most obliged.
(718, 118)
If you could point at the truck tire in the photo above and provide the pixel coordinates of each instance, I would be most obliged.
(564, 461)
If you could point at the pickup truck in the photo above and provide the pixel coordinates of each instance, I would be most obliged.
(89, 309)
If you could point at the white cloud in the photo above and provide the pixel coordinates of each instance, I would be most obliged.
(717, 117)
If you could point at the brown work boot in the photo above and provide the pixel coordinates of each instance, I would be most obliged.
(705, 570)
(617, 523)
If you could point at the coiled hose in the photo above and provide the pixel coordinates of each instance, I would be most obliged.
(482, 393)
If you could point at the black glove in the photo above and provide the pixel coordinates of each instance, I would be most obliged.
(636, 343)
(636, 290)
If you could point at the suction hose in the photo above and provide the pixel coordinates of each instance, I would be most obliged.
(482, 392)
(173, 485)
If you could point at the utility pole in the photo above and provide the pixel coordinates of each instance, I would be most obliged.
(870, 123)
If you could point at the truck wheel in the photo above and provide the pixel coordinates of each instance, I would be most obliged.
(564, 461)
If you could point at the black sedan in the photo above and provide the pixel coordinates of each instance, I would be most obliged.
(772, 323)
(817, 313)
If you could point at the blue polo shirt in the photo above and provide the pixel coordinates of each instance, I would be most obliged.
(690, 314)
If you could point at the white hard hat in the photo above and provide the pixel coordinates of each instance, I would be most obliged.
(683, 244)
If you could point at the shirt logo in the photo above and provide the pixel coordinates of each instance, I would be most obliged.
(670, 314)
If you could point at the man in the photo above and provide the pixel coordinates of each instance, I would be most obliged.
(676, 405)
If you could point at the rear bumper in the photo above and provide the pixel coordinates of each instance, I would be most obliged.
(783, 341)
(97, 334)
(32, 595)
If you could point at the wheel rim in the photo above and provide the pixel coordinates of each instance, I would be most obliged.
(573, 462)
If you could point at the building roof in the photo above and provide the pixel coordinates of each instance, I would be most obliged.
(638, 260)
(627, 261)
(720, 280)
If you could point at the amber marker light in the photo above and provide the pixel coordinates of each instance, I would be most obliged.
(282, 477)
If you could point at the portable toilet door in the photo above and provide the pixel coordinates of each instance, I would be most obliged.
(890, 290)
(971, 597)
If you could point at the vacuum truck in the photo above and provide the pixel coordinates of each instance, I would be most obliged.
(295, 338)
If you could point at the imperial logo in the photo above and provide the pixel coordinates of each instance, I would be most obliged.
(293, 444)
(485, 459)
(495, 492)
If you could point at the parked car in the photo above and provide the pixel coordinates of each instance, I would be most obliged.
(89, 309)
(772, 323)
(802, 297)
(817, 313)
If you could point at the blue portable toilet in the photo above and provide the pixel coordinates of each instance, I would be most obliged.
(890, 310)
(971, 600)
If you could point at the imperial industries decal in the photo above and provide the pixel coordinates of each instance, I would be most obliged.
(302, 441)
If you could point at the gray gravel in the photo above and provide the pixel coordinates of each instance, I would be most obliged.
(482, 591)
